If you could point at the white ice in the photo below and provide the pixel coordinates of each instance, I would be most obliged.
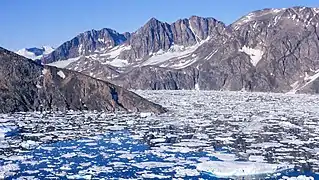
(238, 168)
(29, 144)
(255, 54)
(173, 57)
(4, 130)
(6, 170)
(182, 172)
(300, 177)
(61, 74)
(30, 55)
(64, 63)
(153, 164)
(224, 156)
(116, 51)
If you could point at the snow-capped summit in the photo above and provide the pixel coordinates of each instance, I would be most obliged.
(35, 53)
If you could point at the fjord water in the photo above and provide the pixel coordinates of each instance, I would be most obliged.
(262, 130)
(114, 155)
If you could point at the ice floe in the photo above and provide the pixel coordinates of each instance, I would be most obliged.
(252, 131)
(237, 169)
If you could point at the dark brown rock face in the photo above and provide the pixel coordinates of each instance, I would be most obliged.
(27, 86)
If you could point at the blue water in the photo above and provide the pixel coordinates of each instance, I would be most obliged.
(105, 151)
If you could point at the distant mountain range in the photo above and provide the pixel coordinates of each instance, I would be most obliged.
(35, 53)
(273, 50)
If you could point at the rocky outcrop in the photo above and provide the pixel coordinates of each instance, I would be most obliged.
(157, 78)
(156, 35)
(27, 86)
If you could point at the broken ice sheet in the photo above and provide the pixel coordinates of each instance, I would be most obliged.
(259, 130)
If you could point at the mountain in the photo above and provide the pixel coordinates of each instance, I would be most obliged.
(87, 43)
(28, 86)
(273, 50)
(35, 53)
(156, 43)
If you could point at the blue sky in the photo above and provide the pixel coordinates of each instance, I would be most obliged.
(30, 23)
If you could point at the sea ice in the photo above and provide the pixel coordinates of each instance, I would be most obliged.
(238, 168)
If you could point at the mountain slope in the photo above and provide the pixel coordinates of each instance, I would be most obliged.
(27, 86)
(267, 50)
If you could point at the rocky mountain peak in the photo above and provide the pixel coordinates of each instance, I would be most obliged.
(304, 16)
(152, 21)
(86, 43)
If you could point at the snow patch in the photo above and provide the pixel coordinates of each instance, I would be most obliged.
(276, 10)
(117, 63)
(144, 115)
(255, 54)
(45, 71)
(173, 57)
(27, 54)
(64, 63)
(197, 38)
(38, 86)
(35, 53)
(196, 87)
(80, 51)
(211, 55)
(253, 16)
(115, 52)
(61, 74)
(183, 64)
(247, 18)
(307, 79)
(294, 85)
(48, 49)
(101, 40)
(113, 56)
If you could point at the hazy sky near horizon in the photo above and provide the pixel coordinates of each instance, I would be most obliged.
(34, 23)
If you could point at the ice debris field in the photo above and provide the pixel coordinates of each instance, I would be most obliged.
(205, 135)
